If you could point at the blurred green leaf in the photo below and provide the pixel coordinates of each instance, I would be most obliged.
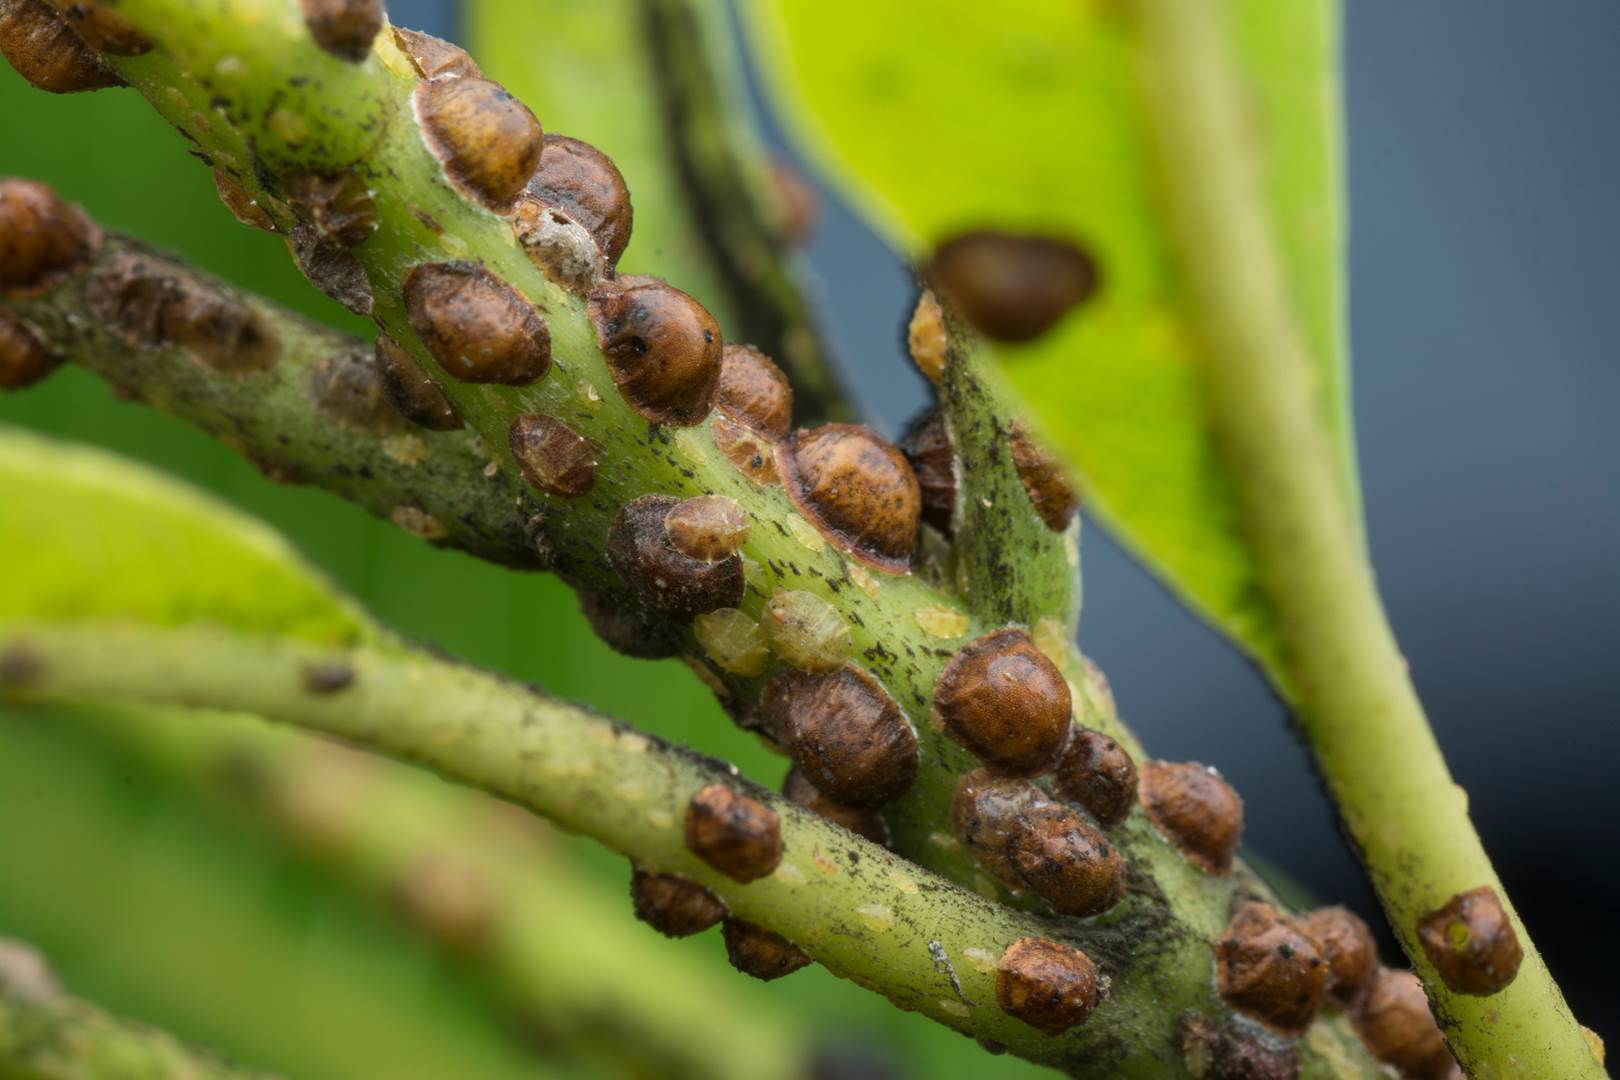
(1031, 119)
(85, 534)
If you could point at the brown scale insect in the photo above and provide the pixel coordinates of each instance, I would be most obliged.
(845, 731)
(1347, 945)
(1471, 942)
(754, 950)
(1235, 1051)
(1011, 287)
(479, 328)
(330, 267)
(738, 836)
(662, 347)
(553, 456)
(338, 206)
(348, 389)
(708, 528)
(487, 140)
(152, 304)
(1065, 861)
(1048, 986)
(1042, 476)
(674, 904)
(415, 395)
(559, 246)
(671, 583)
(243, 207)
(927, 337)
(1394, 1021)
(858, 489)
(1195, 809)
(581, 181)
(24, 358)
(754, 392)
(324, 677)
(626, 629)
(344, 28)
(44, 49)
(1096, 772)
(42, 238)
(1267, 968)
(750, 452)
(861, 820)
(927, 444)
(985, 814)
(434, 57)
(1004, 700)
(103, 30)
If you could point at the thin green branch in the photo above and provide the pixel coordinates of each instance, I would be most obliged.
(1349, 683)
(47, 1035)
(862, 911)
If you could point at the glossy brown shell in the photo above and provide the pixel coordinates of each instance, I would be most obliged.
(1195, 809)
(344, 28)
(857, 489)
(43, 239)
(861, 820)
(1044, 481)
(738, 836)
(927, 444)
(667, 581)
(339, 205)
(479, 328)
(1394, 1021)
(1268, 969)
(433, 57)
(987, 812)
(662, 348)
(1012, 287)
(581, 181)
(1347, 944)
(674, 904)
(754, 392)
(1050, 987)
(43, 48)
(487, 140)
(754, 950)
(24, 357)
(1066, 861)
(1471, 942)
(1004, 700)
(553, 456)
(845, 731)
(1096, 772)
(417, 397)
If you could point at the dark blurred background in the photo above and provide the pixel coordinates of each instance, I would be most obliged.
(1484, 158)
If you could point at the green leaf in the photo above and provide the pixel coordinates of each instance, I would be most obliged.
(85, 534)
(1033, 119)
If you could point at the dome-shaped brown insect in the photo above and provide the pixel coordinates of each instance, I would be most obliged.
(927, 337)
(708, 528)
(477, 327)
(24, 358)
(986, 813)
(433, 57)
(487, 140)
(1096, 772)
(626, 629)
(338, 206)
(674, 904)
(1048, 986)
(754, 950)
(1195, 809)
(858, 489)
(754, 392)
(1065, 861)
(347, 388)
(331, 268)
(1042, 475)
(553, 456)
(671, 583)
(415, 395)
(662, 347)
(44, 49)
(151, 303)
(243, 207)
(750, 452)
(1004, 700)
(1269, 970)
(845, 731)
(344, 28)
(1346, 944)
(738, 836)
(581, 181)
(101, 28)
(1012, 287)
(928, 446)
(1471, 942)
(42, 238)
(1235, 1051)
(1394, 1021)
(862, 820)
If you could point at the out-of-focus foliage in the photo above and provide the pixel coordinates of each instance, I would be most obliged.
(964, 118)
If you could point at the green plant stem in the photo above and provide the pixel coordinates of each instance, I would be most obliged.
(473, 877)
(862, 911)
(47, 1035)
(1346, 677)
(270, 416)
